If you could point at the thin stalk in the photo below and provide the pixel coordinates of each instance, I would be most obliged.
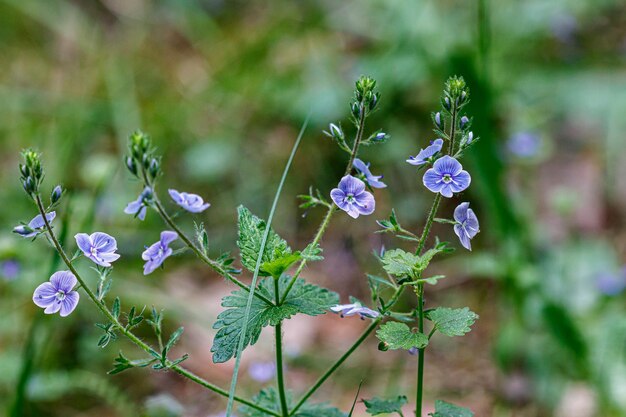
(420, 352)
(428, 225)
(122, 329)
(278, 333)
(331, 210)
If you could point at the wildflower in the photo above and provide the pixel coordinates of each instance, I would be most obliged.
(446, 177)
(347, 310)
(364, 168)
(190, 202)
(523, 144)
(35, 226)
(464, 121)
(438, 120)
(413, 351)
(158, 252)
(380, 136)
(425, 154)
(611, 284)
(139, 206)
(351, 197)
(262, 371)
(56, 194)
(10, 269)
(469, 138)
(99, 247)
(466, 226)
(57, 295)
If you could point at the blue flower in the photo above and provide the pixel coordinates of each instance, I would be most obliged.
(35, 226)
(57, 295)
(347, 310)
(262, 371)
(99, 247)
(351, 197)
(139, 206)
(423, 157)
(611, 284)
(190, 202)
(364, 169)
(158, 252)
(10, 269)
(447, 177)
(524, 144)
(466, 226)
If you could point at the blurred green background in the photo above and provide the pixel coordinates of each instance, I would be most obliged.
(223, 88)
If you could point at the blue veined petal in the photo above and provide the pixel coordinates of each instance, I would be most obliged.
(460, 181)
(365, 203)
(38, 223)
(69, 303)
(53, 308)
(63, 281)
(361, 166)
(338, 198)
(433, 181)
(446, 190)
(460, 212)
(447, 165)
(167, 237)
(103, 242)
(84, 242)
(351, 185)
(463, 237)
(44, 295)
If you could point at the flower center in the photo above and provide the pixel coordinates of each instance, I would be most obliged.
(447, 178)
(350, 198)
(60, 295)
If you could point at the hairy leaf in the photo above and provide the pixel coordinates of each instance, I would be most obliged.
(444, 409)
(400, 263)
(303, 298)
(269, 398)
(377, 406)
(399, 336)
(452, 321)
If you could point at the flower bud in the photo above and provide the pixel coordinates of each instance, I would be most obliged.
(23, 170)
(464, 122)
(29, 185)
(470, 138)
(446, 103)
(380, 137)
(335, 131)
(23, 230)
(356, 110)
(154, 167)
(56, 194)
(438, 120)
(131, 165)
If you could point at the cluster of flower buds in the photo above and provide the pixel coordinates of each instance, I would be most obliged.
(142, 162)
(366, 98)
(455, 93)
(31, 172)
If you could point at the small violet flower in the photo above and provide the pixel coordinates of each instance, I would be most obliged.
(158, 252)
(425, 154)
(35, 226)
(524, 144)
(347, 310)
(447, 177)
(611, 284)
(364, 168)
(139, 206)
(466, 226)
(262, 371)
(99, 247)
(351, 197)
(190, 202)
(57, 295)
(10, 269)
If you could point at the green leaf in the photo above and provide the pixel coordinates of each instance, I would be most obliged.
(444, 409)
(116, 308)
(399, 336)
(277, 266)
(173, 339)
(401, 264)
(122, 363)
(303, 298)
(452, 321)
(269, 398)
(250, 237)
(377, 406)
(312, 253)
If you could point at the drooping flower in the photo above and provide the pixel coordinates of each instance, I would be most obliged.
(57, 295)
(158, 252)
(99, 247)
(190, 202)
(466, 226)
(35, 226)
(364, 168)
(347, 310)
(262, 371)
(351, 197)
(139, 206)
(425, 154)
(447, 177)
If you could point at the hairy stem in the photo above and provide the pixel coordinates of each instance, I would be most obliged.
(331, 210)
(428, 225)
(122, 329)
(420, 352)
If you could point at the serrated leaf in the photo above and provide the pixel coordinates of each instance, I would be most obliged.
(399, 336)
(445, 409)
(250, 237)
(303, 298)
(269, 399)
(452, 321)
(377, 406)
(312, 253)
(401, 263)
(277, 266)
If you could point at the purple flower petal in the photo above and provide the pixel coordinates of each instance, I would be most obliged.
(433, 181)
(425, 154)
(38, 223)
(447, 165)
(467, 224)
(338, 198)
(84, 242)
(53, 307)
(44, 295)
(69, 303)
(463, 237)
(460, 181)
(351, 185)
(372, 180)
(365, 202)
(351, 197)
(63, 281)
(190, 202)
(168, 237)
(103, 242)
(99, 247)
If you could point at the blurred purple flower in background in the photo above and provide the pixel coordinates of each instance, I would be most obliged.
(35, 226)
(611, 284)
(466, 226)
(9, 269)
(57, 295)
(425, 154)
(99, 247)
(140, 206)
(158, 252)
(190, 202)
(364, 168)
(447, 177)
(523, 144)
(262, 371)
(347, 310)
(351, 197)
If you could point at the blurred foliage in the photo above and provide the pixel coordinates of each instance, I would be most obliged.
(223, 88)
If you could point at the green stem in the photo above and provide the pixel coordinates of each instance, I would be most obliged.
(122, 329)
(278, 333)
(420, 352)
(210, 262)
(331, 210)
(428, 225)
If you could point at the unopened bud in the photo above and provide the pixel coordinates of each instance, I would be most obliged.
(464, 122)
(56, 194)
(154, 167)
(131, 165)
(23, 230)
(438, 120)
